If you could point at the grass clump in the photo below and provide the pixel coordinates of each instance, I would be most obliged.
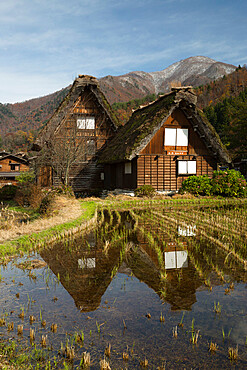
(145, 191)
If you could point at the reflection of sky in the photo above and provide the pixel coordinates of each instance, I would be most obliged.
(187, 230)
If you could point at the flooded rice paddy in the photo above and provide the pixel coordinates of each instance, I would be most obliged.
(144, 289)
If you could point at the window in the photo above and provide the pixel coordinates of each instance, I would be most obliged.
(91, 147)
(128, 168)
(187, 167)
(86, 123)
(176, 136)
(102, 176)
(89, 263)
(14, 167)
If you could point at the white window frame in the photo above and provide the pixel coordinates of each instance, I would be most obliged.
(86, 123)
(128, 168)
(176, 136)
(187, 167)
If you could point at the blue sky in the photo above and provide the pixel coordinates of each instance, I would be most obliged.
(45, 44)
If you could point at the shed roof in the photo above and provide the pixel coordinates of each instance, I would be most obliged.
(78, 87)
(5, 155)
(132, 138)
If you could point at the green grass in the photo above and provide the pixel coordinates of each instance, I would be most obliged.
(28, 242)
(32, 213)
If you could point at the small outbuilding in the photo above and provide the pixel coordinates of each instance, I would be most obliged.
(11, 166)
(162, 144)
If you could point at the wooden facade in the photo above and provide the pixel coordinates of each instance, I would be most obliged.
(158, 165)
(177, 144)
(11, 167)
(76, 133)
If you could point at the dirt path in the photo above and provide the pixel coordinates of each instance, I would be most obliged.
(67, 209)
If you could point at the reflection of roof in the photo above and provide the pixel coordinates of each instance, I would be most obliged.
(144, 123)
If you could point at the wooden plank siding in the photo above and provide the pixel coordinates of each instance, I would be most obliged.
(161, 172)
(8, 175)
(156, 168)
(85, 174)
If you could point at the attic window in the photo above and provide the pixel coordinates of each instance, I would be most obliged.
(14, 167)
(186, 167)
(128, 168)
(86, 123)
(176, 136)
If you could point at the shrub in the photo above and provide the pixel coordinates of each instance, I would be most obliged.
(7, 192)
(46, 203)
(28, 193)
(198, 185)
(229, 183)
(145, 191)
(27, 177)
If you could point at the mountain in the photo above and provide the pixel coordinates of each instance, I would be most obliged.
(193, 71)
(32, 114)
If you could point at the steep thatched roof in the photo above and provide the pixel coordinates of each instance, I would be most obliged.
(145, 122)
(80, 84)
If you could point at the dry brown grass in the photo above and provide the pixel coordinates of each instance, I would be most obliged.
(65, 209)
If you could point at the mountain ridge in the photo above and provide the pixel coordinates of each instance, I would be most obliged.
(195, 71)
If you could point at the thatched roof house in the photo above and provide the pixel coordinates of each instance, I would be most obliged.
(157, 137)
(72, 137)
(82, 84)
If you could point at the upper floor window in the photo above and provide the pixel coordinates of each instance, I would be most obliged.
(86, 123)
(14, 167)
(176, 136)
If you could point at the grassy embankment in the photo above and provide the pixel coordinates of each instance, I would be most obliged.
(48, 230)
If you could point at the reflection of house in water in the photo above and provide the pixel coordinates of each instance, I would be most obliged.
(179, 287)
(86, 270)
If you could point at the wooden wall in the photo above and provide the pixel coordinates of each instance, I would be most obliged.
(161, 171)
(85, 174)
(115, 177)
(176, 120)
(5, 169)
(158, 169)
(155, 167)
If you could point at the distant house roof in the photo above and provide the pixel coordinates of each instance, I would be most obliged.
(14, 157)
(145, 122)
(80, 84)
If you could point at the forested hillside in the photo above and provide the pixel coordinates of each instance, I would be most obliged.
(20, 122)
(224, 102)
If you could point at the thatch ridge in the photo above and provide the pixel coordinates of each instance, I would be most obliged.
(138, 131)
(145, 122)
